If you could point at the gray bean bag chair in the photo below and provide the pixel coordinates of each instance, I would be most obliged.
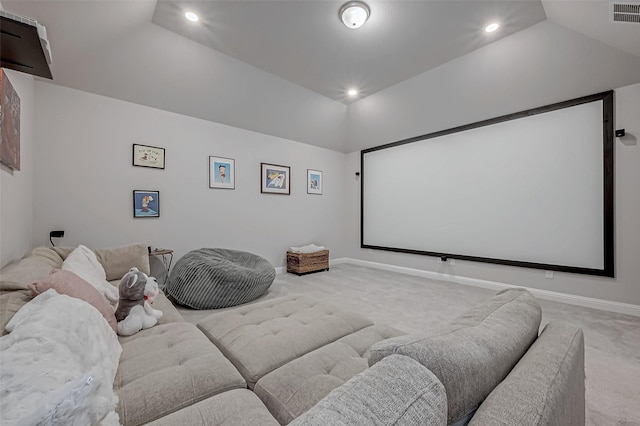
(211, 278)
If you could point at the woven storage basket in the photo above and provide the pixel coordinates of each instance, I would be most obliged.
(305, 263)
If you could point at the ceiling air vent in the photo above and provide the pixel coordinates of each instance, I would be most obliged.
(624, 12)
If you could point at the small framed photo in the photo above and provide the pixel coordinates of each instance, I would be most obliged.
(222, 172)
(146, 203)
(275, 179)
(148, 156)
(314, 181)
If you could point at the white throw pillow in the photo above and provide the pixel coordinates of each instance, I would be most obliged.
(84, 263)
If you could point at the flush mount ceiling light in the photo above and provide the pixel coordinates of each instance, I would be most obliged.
(191, 16)
(354, 14)
(352, 92)
(491, 27)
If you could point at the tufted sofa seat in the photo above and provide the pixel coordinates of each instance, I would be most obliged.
(298, 385)
(168, 367)
(261, 337)
(238, 407)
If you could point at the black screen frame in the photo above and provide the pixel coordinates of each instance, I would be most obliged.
(608, 269)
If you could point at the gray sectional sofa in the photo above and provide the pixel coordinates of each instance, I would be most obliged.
(300, 361)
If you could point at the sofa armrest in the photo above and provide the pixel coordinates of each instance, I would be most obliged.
(395, 391)
(476, 352)
(546, 387)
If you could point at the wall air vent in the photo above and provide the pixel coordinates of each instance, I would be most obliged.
(624, 12)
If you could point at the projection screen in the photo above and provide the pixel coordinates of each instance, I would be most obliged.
(531, 189)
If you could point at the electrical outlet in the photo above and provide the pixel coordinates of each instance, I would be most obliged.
(452, 261)
(548, 275)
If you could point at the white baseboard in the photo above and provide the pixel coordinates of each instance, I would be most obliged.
(339, 261)
(588, 302)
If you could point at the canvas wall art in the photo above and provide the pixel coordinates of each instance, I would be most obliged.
(9, 123)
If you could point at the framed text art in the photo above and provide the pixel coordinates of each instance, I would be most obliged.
(314, 181)
(148, 156)
(146, 204)
(275, 179)
(222, 172)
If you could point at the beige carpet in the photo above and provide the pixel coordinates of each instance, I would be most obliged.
(414, 304)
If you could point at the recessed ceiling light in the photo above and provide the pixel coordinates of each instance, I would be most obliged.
(491, 27)
(191, 16)
(352, 92)
(354, 14)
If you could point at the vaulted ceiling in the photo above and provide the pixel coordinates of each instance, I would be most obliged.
(306, 43)
(283, 67)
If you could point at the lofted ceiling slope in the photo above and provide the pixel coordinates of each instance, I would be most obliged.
(281, 67)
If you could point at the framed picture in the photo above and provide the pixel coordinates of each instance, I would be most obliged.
(9, 124)
(275, 179)
(314, 181)
(222, 172)
(148, 156)
(146, 203)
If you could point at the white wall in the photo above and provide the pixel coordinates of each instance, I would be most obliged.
(84, 181)
(16, 187)
(83, 176)
(624, 288)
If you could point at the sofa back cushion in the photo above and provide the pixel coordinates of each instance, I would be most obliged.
(117, 261)
(476, 351)
(37, 265)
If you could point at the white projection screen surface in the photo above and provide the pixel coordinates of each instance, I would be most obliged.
(531, 189)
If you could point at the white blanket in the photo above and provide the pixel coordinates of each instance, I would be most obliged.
(309, 248)
(58, 364)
